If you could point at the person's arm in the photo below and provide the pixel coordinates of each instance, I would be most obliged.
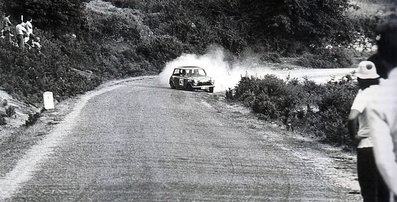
(8, 22)
(352, 124)
(383, 149)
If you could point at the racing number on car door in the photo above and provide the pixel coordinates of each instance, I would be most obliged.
(176, 81)
(176, 78)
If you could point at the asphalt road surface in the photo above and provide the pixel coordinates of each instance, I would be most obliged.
(143, 142)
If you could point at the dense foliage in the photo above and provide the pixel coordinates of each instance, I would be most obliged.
(58, 16)
(280, 25)
(307, 21)
(72, 62)
(303, 106)
(27, 75)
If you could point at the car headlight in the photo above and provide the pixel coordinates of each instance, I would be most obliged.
(212, 82)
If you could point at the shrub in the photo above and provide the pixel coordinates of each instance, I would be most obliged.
(316, 109)
(32, 119)
(271, 57)
(325, 58)
(4, 102)
(26, 75)
(10, 111)
(3, 121)
(125, 3)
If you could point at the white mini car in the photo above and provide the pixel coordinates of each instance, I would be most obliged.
(191, 78)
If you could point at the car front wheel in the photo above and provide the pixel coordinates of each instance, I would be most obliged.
(211, 89)
(189, 87)
(172, 85)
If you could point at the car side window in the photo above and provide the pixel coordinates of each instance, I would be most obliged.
(202, 72)
(176, 72)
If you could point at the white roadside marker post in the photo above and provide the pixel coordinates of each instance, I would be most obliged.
(48, 100)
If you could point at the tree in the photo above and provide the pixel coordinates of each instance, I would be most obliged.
(54, 15)
(309, 21)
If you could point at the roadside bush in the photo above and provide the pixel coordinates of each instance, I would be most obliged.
(334, 107)
(3, 121)
(10, 111)
(125, 3)
(27, 74)
(316, 109)
(4, 102)
(326, 58)
(273, 57)
(32, 119)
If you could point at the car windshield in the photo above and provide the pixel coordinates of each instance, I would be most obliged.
(196, 72)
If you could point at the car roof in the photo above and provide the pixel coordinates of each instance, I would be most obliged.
(189, 67)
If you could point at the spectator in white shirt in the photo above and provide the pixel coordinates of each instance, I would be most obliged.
(382, 112)
(371, 183)
(20, 32)
(29, 30)
(6, 27)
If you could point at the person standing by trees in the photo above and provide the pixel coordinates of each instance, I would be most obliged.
(60, 17)
(20, 32)
(382, 111)
(371, 183)
(29, 30)
(6, 27)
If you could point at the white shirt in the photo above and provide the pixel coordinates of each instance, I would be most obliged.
(20, 29)
(360, 103)
(382, 114)
(29, 27)
(6, 23)
(29, 30)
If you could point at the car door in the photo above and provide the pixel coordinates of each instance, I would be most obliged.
(177, 77)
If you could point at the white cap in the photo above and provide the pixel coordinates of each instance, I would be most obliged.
(366, 70)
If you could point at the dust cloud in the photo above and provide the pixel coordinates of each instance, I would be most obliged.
(226, 73)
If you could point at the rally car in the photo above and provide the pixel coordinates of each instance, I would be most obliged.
(191, 78)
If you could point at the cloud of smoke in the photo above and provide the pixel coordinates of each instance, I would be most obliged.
(227, 73)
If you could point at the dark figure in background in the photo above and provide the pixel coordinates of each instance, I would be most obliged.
(381, 68)
(372, 186)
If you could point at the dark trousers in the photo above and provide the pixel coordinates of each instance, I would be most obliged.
(21, 42)
(373, 188)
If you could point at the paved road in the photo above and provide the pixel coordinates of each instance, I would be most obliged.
(143, 142)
